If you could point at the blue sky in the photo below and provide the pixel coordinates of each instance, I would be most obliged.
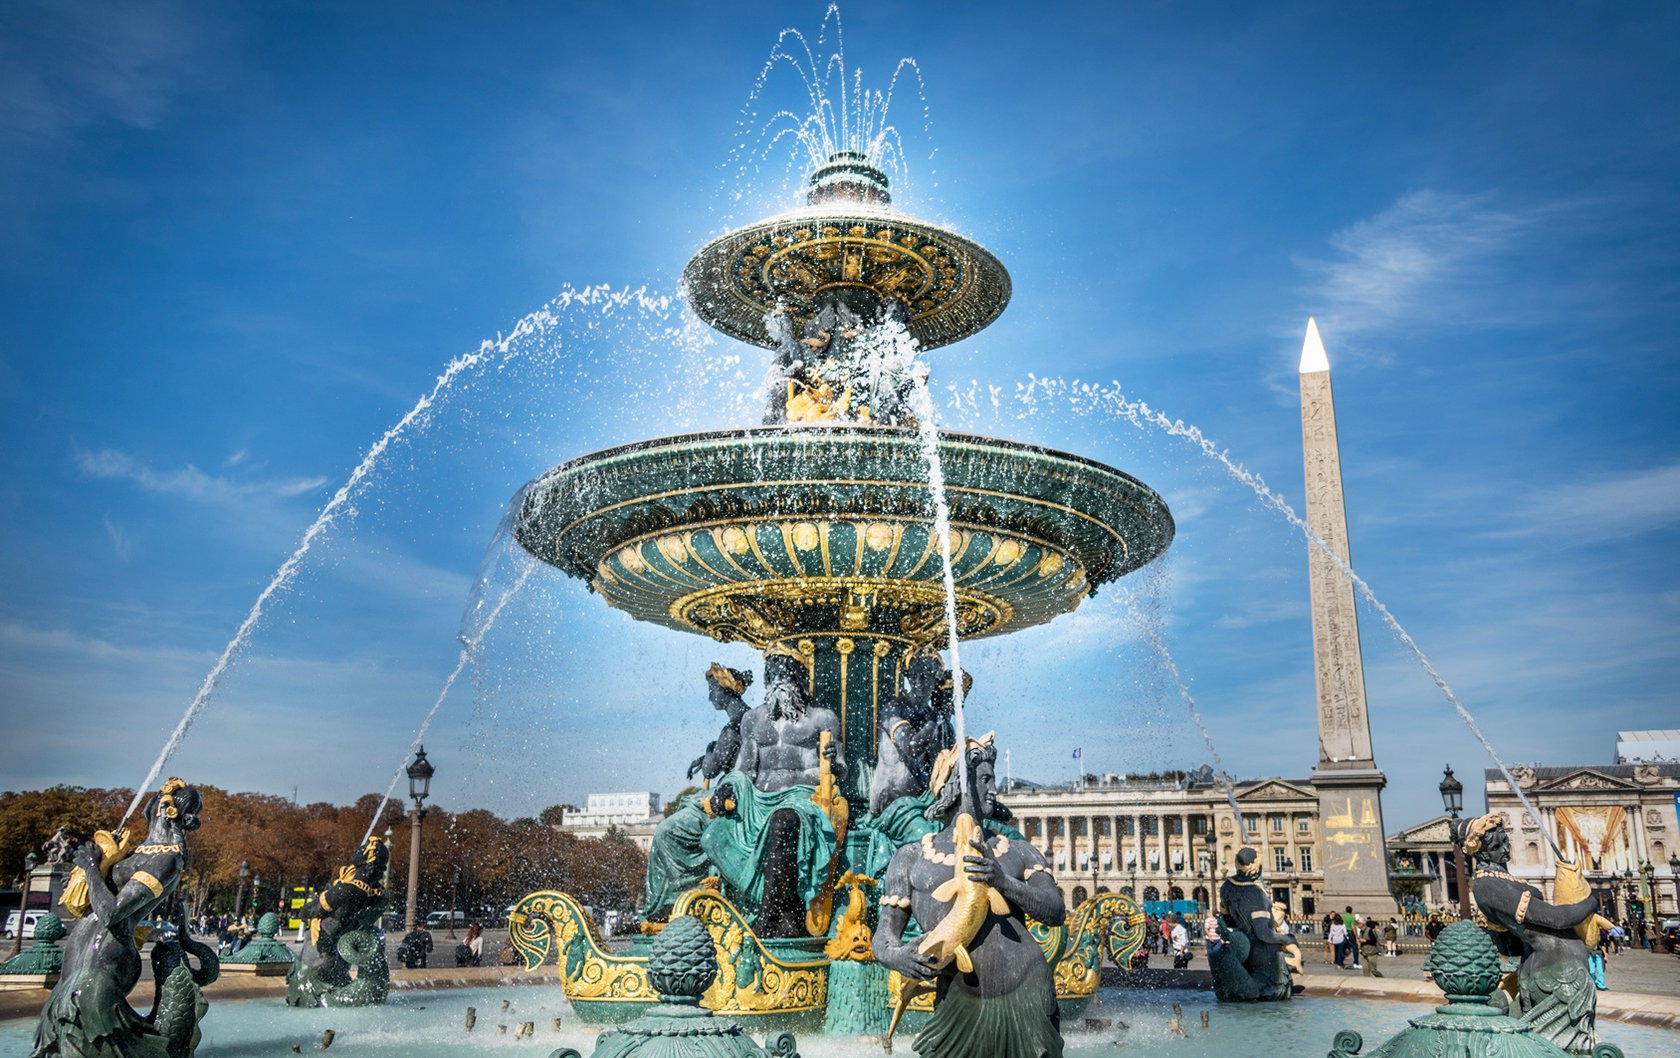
(243, 240)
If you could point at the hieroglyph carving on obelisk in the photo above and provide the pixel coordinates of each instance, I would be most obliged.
(1344, 730)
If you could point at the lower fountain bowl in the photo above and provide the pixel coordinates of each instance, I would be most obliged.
(764, 533)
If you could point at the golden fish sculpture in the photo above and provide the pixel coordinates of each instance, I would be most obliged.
(971, 901)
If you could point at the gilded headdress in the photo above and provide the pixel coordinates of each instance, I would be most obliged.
(1476, 831)
(166, 796)
(729, 679)
(945, 765)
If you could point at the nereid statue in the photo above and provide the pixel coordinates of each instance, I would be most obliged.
(1554, 993)
(1252, 962)
(971, 892)
(117, 884)
(344, 933)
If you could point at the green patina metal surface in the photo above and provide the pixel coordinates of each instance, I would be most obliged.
(682, 964)
(1474, 1023)
(42, 957)
(263, 948)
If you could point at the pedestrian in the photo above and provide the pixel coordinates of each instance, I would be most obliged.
(1329, 948)
(1210, 933)
(1371, 946)
(1180, 945)
(1338, 941)
(1351, 921)
(1166, 934)
(1595, 965)
(1391, 939)
(1433, 929)
(1617, 935)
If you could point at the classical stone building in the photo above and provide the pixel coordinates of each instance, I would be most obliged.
(1615, 819)
(634, 814)
(1164, 839)
(1612, 818)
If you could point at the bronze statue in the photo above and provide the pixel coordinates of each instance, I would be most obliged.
(1554, 993)
(1251, 962)
(971, 893)
(915, 726)
(344, 933)
(724, 687)
(115, 885)
(758, 829)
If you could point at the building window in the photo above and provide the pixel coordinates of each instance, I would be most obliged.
(1175, 826)
(1302, 825)
(1306, 859)
(1199, 826)
(1277, 824)
(1126, 825)
(1277, 858)
(1251, 824)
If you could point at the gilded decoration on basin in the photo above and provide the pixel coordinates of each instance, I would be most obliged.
(949, 286)
(760, 612)
(751, 980)
(550, 922)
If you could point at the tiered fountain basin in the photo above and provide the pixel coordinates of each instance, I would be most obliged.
(820, 538)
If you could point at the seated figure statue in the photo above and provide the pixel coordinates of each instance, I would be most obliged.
(343, 932)
(758, 829)
(724, 687)
(915, 726)
(971, 892)
(113, 888)
(1555, 992)
(1252, 963)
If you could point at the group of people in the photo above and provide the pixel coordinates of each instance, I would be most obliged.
(1165, 934)
(231, 932)
(415, 949)
(1345, 937)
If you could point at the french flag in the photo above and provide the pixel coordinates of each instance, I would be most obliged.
(1078, 753)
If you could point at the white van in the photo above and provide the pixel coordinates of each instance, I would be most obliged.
(29, 920)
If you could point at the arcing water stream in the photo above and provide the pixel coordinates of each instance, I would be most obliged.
(1085, 397)
(541, 321)
(1152, 630)
(470, 648)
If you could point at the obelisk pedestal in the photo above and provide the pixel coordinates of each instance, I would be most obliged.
(1347, 779)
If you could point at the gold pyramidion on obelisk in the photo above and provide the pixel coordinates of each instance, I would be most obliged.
(1347, 779)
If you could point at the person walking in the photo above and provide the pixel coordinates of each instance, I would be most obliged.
(1391, 939)
(1329, 948)
(1595, 965)
(1180, 945)
(1433, 929)
(1338, 938)
(1371, 946)
(1350, 921)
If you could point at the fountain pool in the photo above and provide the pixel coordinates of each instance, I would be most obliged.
(430, 1025)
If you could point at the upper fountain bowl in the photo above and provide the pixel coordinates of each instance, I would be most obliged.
(847, 238)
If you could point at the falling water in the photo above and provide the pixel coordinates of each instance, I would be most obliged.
(1087, 396)
(470, 648)
(1152, 629)
(538, 322)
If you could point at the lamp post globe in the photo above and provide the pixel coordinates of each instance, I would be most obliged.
(1452, 799)
(420, 772)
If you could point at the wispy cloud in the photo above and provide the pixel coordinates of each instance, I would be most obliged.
(188, 482)
(1608, 507)
(1412, 260)
(118, 536)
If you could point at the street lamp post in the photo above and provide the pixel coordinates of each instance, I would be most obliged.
(1213, 869)
(1674, 877)
(244, 877)
(1452, 798)
(256, 887)
(454, 900)
(419, 788)
(29, 862)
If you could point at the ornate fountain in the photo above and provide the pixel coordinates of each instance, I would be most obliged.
(811, 537)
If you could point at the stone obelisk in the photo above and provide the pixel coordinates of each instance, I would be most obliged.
(1347, 779)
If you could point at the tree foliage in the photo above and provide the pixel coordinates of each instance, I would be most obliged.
(288, 845)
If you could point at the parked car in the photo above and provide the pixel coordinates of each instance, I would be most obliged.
(161, 930)
(29, 920)
(442, 919)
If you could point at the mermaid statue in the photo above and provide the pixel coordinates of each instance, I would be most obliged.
(115, 885)
(1554, 992)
